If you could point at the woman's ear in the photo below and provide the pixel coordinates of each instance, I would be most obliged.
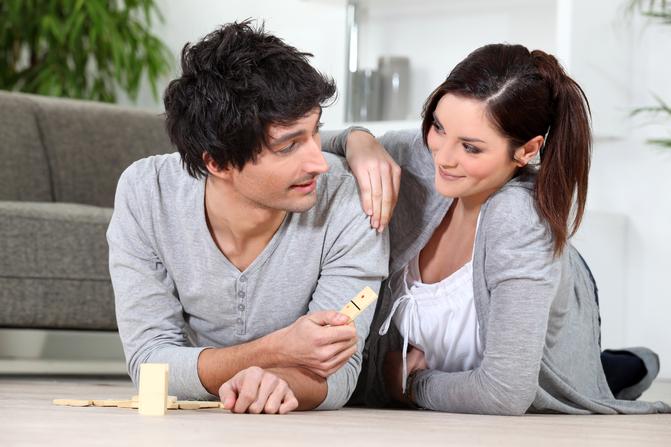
(524, 154)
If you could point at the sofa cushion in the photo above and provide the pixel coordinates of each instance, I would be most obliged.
(24, 173)
(54, 266)
(89, 144)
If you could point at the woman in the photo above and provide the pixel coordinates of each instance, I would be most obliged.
(490, 309)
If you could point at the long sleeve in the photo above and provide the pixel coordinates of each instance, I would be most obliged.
(149, 313)
(335, 141)
(356, 256)
(521, 277)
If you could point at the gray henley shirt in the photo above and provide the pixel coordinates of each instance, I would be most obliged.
(176, 293)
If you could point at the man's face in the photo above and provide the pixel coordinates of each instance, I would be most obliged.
(284, 175)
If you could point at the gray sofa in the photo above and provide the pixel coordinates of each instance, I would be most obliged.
(59, 164)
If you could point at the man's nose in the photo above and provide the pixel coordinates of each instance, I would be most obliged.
(315, 161)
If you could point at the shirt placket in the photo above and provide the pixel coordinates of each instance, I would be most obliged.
(241, 293)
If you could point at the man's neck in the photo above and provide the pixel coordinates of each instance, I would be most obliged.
(239, 227)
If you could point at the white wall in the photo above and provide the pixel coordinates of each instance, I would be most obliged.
(634, 179)
(619, 63)
(316, 27)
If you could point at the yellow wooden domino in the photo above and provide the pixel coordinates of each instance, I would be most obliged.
(73, 402)
(106, 402)
(153, 392)
(196, 404)
(357, 304)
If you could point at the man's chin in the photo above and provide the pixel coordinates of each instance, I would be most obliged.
(302, 205)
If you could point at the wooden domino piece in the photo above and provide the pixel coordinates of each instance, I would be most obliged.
(128, 404)
(106, 402)
(153, 392)
(196, 404)
(73, 402)
(357, 304)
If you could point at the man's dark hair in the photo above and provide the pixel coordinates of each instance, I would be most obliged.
(236, 82)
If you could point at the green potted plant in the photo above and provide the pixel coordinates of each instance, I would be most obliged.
(86, 49)
(659, 11)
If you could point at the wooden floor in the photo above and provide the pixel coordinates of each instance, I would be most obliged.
(27, 417)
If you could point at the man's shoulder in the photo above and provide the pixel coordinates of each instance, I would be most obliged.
(338, 185)
(147, 170)
(164, 172)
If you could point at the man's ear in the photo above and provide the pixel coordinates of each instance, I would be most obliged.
(524, 154)
(213, 167)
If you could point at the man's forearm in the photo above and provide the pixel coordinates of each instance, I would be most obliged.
(217, 365)
(309, 388)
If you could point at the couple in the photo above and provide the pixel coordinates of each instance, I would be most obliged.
(230, 259)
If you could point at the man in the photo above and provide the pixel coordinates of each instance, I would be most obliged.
(230, 259)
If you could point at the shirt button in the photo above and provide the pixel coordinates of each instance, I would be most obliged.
(243, 279)
(241, 307)
(241, 294)
(239, 320)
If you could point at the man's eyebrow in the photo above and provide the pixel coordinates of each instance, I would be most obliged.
(286, 137)
(294, 134)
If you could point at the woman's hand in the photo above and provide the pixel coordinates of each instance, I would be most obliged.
(378, 177)
(393, 370)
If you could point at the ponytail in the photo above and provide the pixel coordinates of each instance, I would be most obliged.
(566, 153)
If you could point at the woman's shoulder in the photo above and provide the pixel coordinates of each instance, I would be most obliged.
(515, 200)
(511, 212)
(407, 148)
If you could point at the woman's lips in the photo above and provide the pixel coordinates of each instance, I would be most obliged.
(449, 177)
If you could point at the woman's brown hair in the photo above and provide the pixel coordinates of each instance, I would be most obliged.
(528, 94)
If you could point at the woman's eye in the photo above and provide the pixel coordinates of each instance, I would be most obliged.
(471, 149)
(437, 126)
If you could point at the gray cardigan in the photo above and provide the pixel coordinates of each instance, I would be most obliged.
(538, 314)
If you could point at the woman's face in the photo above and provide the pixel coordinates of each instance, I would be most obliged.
(471, 157)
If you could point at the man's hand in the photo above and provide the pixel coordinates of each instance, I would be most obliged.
(378, 177)
(321, 342)
(255, 390)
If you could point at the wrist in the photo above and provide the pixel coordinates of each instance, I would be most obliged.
(357, 133)
(409, 397)
(273, 350)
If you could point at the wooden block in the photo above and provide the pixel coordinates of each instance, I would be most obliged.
(357, 304)
(105, 403)
(153, 393)
(196, 404)
(188, 405)
(72, 402)
(128, 404)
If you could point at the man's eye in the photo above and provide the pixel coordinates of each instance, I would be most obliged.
(288, 149)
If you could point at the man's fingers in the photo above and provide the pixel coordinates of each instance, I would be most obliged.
(248, 390)
(268, 384)
(227, 395)
(339, 360)
(290, 403)
(275, 398)
(328, 318)
(336, 334)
